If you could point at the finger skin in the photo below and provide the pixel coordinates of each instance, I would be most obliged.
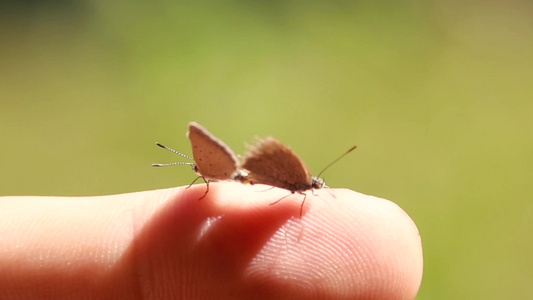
(232, 244)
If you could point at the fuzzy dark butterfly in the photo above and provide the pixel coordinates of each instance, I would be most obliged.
(273, 163)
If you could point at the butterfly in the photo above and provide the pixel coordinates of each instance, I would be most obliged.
(213, 159)
(273, 163)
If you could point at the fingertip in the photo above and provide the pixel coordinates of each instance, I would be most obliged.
(381, 237)
(346, 243)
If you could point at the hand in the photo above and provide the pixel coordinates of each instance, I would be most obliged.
(232, 244)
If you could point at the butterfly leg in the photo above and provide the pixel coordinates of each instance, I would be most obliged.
(206, 190)
(195, 179)
(281, 198)
(206, 182)
(302, 205)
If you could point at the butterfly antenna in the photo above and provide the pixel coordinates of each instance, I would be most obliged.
(173, 164)
(336, 160)
(173, 151)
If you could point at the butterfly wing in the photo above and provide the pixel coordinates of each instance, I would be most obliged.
(213, 158)
(272, 162)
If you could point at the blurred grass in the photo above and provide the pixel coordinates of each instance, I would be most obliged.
(436, 95)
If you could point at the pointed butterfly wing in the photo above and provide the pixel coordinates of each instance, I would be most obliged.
(214, 159)
(272, 162)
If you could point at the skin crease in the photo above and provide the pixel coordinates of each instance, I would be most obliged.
(165, 244)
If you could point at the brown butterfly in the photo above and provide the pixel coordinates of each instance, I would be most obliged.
(213, 159)
(273, 163)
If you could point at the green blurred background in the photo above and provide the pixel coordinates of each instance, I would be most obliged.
(437, 94)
